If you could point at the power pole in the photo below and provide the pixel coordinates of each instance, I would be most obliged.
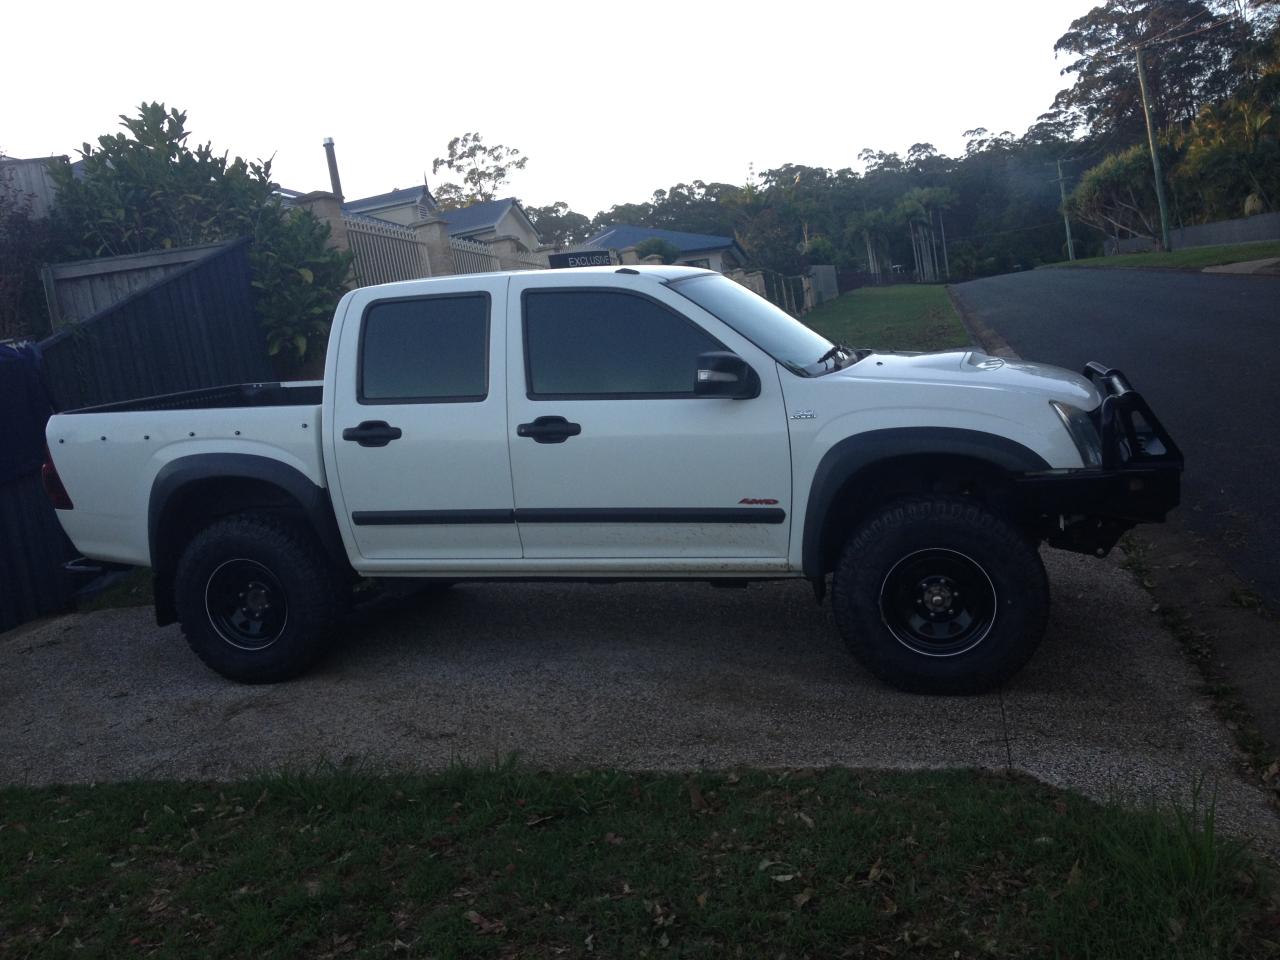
(1066, 221)
(1155, 156)
(946, 261)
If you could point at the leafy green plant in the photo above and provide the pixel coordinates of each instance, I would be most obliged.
(24, 244)
(146, 189)
(656, 246)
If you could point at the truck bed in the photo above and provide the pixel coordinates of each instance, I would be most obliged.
(109, 456)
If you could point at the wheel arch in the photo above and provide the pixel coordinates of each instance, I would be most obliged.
(857, 471)
(193, 491)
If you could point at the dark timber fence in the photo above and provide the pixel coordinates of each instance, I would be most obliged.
(32, 544)
(194, 328)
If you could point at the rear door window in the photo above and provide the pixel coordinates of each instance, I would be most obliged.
(425, 350)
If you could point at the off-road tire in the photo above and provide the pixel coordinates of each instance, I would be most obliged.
(297, 575)
(882, 590)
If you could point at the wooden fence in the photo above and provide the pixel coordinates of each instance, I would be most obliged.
(33, 547)
(194, 328)
(77, 290)
(384, 252)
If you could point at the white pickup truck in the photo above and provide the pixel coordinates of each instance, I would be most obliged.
(614, 424)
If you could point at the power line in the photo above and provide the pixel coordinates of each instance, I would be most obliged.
(1001, 233)
(1159, 38)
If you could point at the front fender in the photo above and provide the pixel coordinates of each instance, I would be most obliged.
(854, 454)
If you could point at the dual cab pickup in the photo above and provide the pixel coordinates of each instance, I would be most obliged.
(612, 424)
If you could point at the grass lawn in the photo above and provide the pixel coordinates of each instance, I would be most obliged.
(903, 317)
(1192, 258)
(510, 863)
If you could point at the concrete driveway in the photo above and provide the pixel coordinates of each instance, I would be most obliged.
(640, 676)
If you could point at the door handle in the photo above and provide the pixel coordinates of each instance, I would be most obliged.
(549, 430)
(372, 433)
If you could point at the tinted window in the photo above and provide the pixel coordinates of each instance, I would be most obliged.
(430, 349)
(607, 343)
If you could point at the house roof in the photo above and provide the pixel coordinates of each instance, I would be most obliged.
(473, 218)
(624, 235)
(393, 198)
(476, 217)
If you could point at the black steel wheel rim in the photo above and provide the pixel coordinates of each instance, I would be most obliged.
(246, 604)
(938, 602)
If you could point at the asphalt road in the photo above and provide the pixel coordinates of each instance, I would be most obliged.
(638, 676)
(1205, 351)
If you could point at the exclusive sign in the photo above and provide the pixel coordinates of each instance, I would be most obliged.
(581, 258)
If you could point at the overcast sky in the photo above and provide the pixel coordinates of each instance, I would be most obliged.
(610, 101)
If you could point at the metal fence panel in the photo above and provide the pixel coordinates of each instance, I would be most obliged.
(472, 256)
(384, 252)
(195, 328)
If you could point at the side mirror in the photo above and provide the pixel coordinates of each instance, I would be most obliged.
(723, 374)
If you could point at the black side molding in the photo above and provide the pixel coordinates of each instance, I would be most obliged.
(770, 515)
(387, 518)
(376, 518)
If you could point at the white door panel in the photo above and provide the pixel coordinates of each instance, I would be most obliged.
(442, 488)
(649, 477)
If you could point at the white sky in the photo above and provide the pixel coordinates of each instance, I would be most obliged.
(610, 101)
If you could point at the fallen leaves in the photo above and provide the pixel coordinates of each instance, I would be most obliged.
(696, 800)
(484, 924)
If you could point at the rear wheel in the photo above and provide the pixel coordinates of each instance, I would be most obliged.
(256, 598)
(939, 595)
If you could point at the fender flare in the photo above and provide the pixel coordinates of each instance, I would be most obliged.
(854, 454)
(178, 474)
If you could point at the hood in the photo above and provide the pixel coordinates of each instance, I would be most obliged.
(970, 368)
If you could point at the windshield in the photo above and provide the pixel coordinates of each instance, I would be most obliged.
(778, 334)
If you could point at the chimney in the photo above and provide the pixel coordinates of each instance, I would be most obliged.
(334, 182)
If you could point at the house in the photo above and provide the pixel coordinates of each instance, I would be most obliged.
(721, 254)
(485, 221)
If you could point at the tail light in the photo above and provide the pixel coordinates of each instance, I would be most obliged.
(53, 487)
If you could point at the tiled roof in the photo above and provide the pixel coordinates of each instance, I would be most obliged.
(622, 236)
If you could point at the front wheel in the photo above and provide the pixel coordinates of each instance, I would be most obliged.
(256, 598)
(939, 595)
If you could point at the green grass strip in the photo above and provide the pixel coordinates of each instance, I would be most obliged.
(510, 862)
(901, 317)
(1191, 258)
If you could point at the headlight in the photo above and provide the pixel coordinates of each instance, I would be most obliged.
(1082, 431)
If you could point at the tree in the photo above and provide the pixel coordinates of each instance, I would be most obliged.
(146, 189)
(1117, 196)
(1232, 158)
(483, 170)
(665, 250)
(24, 245)
(558, 225)
(1192, 45)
